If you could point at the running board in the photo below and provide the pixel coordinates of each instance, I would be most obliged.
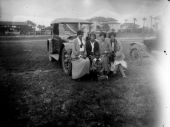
(55, 56)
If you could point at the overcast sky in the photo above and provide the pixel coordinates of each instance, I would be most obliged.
(44, 11)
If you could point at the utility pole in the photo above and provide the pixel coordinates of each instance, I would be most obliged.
(151, 20)
(0, 10)
(34, 26)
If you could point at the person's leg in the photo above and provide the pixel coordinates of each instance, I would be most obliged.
(115, 69)
(122, 71)
(105, 64)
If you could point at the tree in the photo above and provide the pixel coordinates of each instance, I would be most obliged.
(30, 23)
(91, 27)
(98, 28)
(41, 27)
(105, 27)
(135, 20)
(26, 29)
(144, 20)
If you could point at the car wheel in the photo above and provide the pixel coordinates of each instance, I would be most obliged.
(136, 56)
(66, 62)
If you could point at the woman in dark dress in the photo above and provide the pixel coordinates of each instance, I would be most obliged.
(92, 46)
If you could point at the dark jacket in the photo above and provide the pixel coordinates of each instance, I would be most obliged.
(89, 47)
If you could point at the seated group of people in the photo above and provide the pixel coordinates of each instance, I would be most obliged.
(100, 57)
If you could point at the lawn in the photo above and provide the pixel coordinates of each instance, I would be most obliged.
(65, 102)
(36, 93)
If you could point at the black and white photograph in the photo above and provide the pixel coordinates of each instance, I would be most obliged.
(84, 63)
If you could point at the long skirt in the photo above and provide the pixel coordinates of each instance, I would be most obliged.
(80, 68)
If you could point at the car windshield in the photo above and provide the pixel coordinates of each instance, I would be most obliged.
(71, 28)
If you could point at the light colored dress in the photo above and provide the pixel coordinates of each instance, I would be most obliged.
(80, 66)
(117, 62)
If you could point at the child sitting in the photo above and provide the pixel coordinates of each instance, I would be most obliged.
(97, 67)
(119, 63)
(117, 57)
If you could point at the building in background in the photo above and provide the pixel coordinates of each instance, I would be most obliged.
(99, 22)
(113, 25)
(158, 22)
(128, 26)
(11, 28)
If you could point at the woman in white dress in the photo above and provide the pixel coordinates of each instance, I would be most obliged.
(80, 63)
(118, 63)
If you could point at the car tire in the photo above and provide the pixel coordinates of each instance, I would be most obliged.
(136, 56)
(66, 62)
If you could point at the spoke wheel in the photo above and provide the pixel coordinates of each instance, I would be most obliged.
(66, 62)
(136, 56)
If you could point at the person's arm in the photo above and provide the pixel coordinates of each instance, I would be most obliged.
(93, 64)
(96, 47)
(120, 45)
(75, 52)
(109, 47)
(102, 67)
(85, 51)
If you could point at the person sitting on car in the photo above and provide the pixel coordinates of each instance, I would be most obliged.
(92, 46)
(80, 63)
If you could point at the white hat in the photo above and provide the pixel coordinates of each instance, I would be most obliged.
(119, 56)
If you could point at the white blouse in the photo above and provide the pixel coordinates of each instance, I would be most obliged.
(81, 49)
(92, 45)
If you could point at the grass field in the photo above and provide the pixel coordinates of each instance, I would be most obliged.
(37, 93)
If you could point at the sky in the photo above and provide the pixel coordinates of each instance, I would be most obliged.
(44, 11)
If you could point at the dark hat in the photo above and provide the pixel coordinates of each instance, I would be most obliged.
(92, 33)
(103, 34)
(112, 33)
(80, 32)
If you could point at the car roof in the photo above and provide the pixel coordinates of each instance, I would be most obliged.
(70, 20)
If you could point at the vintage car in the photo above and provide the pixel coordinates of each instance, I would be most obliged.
(140, 49)
(60, 45)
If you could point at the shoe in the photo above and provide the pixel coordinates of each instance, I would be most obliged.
(102, 78)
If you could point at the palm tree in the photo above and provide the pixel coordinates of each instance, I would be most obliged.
(135, 20)
(144, 20)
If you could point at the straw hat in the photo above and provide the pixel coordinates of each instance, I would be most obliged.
(119, 56)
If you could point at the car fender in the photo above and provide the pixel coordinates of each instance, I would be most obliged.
(48, 43)
(140, 46)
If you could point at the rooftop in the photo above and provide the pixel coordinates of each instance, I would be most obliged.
(8, 23)
(129, 24)
(111, 22)
(70, 20)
